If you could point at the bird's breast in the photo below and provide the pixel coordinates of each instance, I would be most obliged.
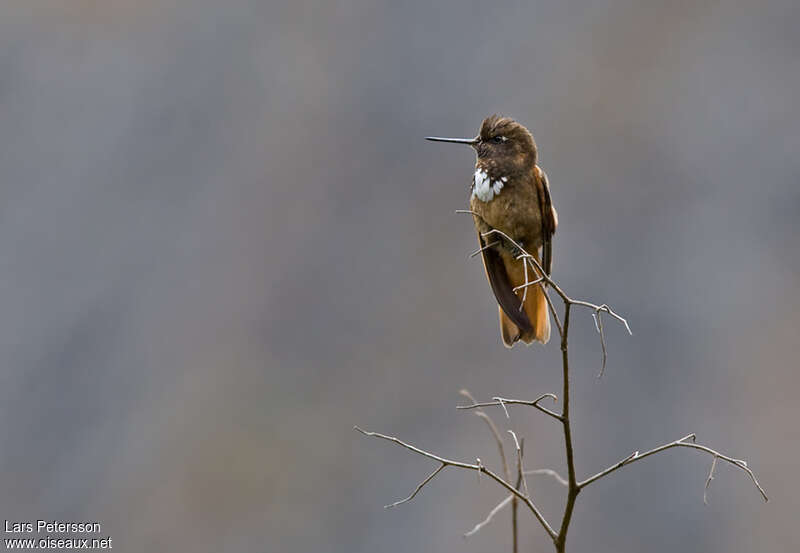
(509, 206)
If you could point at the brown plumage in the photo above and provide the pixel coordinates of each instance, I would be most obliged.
(510, 193)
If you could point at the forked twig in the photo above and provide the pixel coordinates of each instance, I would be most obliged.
(503, 402)
(682, 442)
(478, 467)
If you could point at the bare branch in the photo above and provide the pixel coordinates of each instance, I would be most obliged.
(679, 443)
(545, 281)
(489, 517)
(417, 489)
(739, 463)
(503, 401)
(549, 472)
(479, 468)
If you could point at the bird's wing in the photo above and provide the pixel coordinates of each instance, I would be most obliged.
(497, 275)
(549, 218)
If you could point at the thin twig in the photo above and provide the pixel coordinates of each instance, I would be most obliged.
(519, 463)
(515, 502)
(498, 439)
(524, 287)
(527, 284)
(484, 248)
(549, 472)
(503, 405)
(709, 479)
(495, 432)
(416, 490)
(598, 324)
(506, 470)
(489, 517)
(503, 401)
(605, 308)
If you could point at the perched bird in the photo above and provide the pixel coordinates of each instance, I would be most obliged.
(510, 193)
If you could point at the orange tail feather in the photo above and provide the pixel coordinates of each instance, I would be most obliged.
(534, 305)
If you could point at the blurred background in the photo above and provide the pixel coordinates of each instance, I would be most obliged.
(223, 243)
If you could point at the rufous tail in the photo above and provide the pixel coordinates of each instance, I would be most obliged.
(534, 304)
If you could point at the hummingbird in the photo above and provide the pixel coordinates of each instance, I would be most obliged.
(510, 193)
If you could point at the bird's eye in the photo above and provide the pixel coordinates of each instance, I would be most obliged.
(499, 139)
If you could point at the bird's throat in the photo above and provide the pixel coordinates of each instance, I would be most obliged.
(484, 187)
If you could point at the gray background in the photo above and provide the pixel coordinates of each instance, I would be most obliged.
(223, 242)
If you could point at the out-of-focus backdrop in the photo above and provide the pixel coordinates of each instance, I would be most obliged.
(223, 242)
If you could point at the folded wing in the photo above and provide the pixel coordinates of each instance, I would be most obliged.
(549, 219)
(502, 287)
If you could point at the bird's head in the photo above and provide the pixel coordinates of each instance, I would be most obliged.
(502, 145)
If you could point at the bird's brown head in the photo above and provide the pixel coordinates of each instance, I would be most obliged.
(502, 144)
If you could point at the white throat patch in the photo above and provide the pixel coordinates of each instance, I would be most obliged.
(484, 188)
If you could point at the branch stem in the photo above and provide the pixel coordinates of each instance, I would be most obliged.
(572, 484)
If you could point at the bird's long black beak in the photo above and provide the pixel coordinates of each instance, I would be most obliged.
(468, 141)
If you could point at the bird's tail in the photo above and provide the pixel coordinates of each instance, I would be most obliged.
(535, 306)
